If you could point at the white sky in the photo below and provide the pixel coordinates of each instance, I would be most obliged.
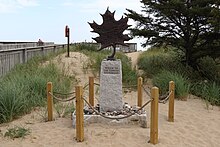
(29, 20)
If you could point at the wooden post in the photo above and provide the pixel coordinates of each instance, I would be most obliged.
(68, 46)
(42, 51)
(140, 94)
(50, 101)
(91, 90)
(154, 116)
(24, 55)
(54, 48)
(79, 114)
(171, 101)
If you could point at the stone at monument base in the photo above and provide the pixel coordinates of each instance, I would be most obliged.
(111, 86)
(140, 119)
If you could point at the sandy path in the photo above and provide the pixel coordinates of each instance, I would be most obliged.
(134, 57)
(194, 126)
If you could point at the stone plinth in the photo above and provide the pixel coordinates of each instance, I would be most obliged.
(137, 119)
(111, 86)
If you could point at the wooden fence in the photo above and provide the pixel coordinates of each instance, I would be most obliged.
(19, 45)
(9, 58)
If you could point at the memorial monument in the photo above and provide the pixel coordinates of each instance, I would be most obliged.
(110, 101)
(111, 34)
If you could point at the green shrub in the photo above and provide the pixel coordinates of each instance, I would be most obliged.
(25, 87)
(209, 69)
(129, 76)
(213, 93)
(12, 101)
(162, 80)
(86, 46)
(209, 91)
(17, 132)
(155, 62)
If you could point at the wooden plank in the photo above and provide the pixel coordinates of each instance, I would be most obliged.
(171, 101)
(79, 114)
(154, 116)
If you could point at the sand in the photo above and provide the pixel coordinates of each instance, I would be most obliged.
(194, 125)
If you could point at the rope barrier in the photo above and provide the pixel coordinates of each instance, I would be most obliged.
(132, 86)
(97, 99)
(62, 100)
(64, 93)
(146, 91)
(86, 86)
(164, 100)
(97, 84)
(116, 118)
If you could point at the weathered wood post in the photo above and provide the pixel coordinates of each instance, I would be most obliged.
(79, 114)
(24, 55)
(54, 48)
(50, 101)
(140, 94)
(42, 51)
(171, 101)
(91, 90)
(154, 116)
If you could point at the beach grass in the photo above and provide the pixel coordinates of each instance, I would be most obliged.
(24, 87)
(162, 80)
(161, 63)
(17, 132)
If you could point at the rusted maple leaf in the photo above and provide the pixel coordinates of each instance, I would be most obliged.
(110, 31)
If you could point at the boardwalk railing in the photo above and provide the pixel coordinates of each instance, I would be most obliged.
(18, 45)
(9, 58)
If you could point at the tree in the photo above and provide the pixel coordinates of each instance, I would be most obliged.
(192, 26)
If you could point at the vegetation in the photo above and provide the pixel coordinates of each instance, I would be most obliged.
(191, 31)
(153, 62)
(17, 132)
(64, 109)
(209, 91)
(162, 80)
(163, 66)
(25, 87)
(192, 27)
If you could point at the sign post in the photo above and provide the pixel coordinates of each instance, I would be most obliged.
(67, 34)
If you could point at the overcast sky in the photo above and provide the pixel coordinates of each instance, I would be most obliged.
(30, 20)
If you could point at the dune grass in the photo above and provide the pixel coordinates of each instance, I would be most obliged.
(25, 87)
(17, 132)
(162, 80)
(163, 65)
(209, 91)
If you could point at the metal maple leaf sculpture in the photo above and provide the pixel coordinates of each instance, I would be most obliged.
(110, 31)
